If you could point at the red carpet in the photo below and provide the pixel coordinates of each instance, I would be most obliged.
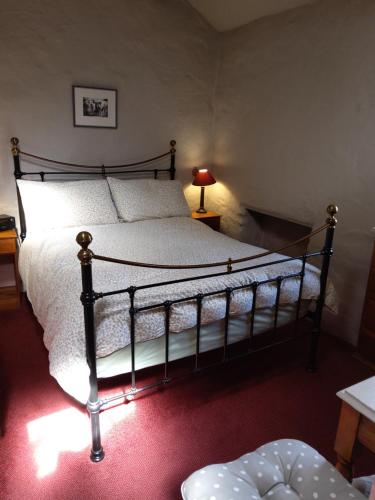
(154, 443)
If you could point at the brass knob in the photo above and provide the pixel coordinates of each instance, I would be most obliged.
(332, 211)
(84, 239)
(14, 142)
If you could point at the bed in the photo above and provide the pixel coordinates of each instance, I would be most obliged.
(155, 287)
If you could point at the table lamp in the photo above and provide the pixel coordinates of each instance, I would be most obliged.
(202, 178)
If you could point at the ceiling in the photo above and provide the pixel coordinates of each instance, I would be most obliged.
(225, 15)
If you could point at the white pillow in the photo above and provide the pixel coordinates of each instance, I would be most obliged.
(51, 205)
(141, 199)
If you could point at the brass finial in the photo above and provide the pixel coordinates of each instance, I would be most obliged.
(84, 239)
(229, 265)
(173, 143)
(14, 142)
(332, 211)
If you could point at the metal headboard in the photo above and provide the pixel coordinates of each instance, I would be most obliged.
(141, 167)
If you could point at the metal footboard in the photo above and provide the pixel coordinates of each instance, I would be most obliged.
(89, 297)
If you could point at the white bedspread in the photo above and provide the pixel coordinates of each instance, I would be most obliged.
(50, 271)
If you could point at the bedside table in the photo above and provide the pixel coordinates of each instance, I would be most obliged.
(211, 219)
(356, 424)
(9, 295)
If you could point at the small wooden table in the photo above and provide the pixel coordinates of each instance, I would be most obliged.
(9, 295)
(211, 219)
(356, 424)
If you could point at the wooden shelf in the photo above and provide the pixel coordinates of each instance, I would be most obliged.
(270, 230)
(277, 215)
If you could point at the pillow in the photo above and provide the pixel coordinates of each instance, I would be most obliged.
(51, 205)
(141, 199)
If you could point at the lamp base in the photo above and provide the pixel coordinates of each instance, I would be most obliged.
(201, 209)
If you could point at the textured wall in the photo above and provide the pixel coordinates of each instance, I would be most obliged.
(294, 129)
(293, 113)
(159, 54)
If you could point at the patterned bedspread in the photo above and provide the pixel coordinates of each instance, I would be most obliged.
(50, 271)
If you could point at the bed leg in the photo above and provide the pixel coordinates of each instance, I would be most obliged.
(93, 408)
(88, 300)
(97, 452)
(327, 253)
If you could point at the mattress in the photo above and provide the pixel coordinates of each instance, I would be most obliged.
(50, 272)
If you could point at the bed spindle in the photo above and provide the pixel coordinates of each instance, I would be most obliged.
(327, 253)
(199, 316)
(132, 312)
(167, 309)
(300, 288)
(228, 295)
(254, 287)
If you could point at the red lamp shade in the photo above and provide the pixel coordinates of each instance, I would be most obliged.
(202, 177)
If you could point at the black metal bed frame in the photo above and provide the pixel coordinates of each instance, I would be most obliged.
(89, 296)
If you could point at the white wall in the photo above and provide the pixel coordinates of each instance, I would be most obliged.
(293, 113)
(294, 129)
(159, 54)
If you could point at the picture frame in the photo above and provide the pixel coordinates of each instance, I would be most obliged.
(94, 107)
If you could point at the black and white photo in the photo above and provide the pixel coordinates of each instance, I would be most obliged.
(94, 107)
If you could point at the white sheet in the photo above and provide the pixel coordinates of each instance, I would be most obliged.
(152, 353)
(51, 273)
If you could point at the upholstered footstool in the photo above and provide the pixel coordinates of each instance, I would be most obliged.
(285, 469)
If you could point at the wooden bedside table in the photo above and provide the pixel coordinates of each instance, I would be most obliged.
(211, 219)
(9, 295)
(356, 424)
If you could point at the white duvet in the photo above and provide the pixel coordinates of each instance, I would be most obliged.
(50, 271)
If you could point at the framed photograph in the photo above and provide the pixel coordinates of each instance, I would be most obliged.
(94, 107)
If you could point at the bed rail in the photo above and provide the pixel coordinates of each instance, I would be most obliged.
(89, 297)
(229, 263)
(78, 169)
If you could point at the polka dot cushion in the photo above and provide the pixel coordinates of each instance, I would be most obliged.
(285, 469)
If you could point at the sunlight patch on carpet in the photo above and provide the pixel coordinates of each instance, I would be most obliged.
(68, 430)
